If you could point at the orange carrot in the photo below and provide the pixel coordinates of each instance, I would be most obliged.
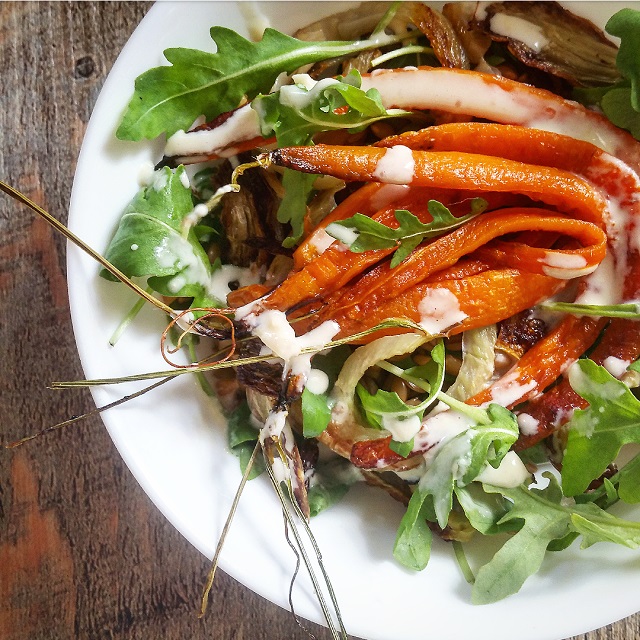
(511, 142)
(449, 170)
(384, 283)
(482, 299)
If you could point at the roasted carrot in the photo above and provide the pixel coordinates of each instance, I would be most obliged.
(449, 170)
(384, 283)
(511, 142)
(482, 299)
(553, 409)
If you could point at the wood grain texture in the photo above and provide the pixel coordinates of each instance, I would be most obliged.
(83, 552)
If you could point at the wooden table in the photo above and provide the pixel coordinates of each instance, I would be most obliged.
(83, 552)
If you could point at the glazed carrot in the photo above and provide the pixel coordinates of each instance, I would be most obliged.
(551, 410)
(621, 340)
(439, 170)
(481, 299)
(336, 266)
(384, 283)
(376, 196)
(544, 362)
(449, 170)
(502, 100)
(505, 141)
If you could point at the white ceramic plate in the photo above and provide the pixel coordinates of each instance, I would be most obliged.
(173, 438)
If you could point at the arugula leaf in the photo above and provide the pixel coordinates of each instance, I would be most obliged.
(402, 448)
(629, 482)
(623, 485)
(617, 105)
(460, 460)
(625, 24)
(483, 510)
(596, 434)
(384, 409)
(620, 102)
(629, 310)
(196, 83)
(521, 556)
(316, 407)
(412, 547)
(410, 231)
(242, 437)
(149, 241)
(297, 188)
(376, 405)
(596, 525)
(546, 518)
(323, 496)
(295, 114)
(330, 483)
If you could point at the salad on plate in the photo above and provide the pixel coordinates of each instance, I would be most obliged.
(401, 248)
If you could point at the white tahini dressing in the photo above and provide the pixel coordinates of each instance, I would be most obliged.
(396, 166)
(438, 428)
(528, 424)
(510, 473)
(508, 391)
(439, 310)
(604, 286)
(304, 91)
(566, 266)
(145, 173)
(343, 234)
(519, 29)
(320, 240)
(615, 366)
(402, 429)
(278, 336)
(317, 382)
(242, 125)
(227, 274)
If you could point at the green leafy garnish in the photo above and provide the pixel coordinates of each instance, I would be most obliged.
(385, 409)
(316, 407)
(412, 547)
(294, 114)
(242, 436)
(597, 434)
(410, 232)
(459, 461)
(293, 206)
(625, 24)
(456, 464)
(545, 516)
(330, 483)
(149, 241)
(620, 102)
(196, 83)
(629, 310)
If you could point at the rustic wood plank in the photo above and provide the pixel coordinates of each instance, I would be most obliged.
(83, 552)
